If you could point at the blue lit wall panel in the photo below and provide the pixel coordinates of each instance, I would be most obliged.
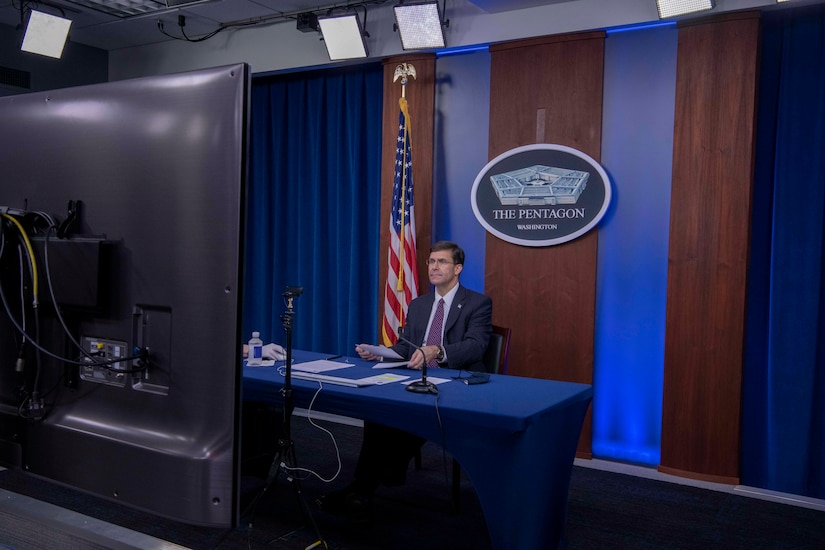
(462, 120)
(637, 145)
(640, 87)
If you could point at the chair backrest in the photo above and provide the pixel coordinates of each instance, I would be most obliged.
(498, 350)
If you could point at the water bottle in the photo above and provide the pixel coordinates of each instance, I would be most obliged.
(255, 349)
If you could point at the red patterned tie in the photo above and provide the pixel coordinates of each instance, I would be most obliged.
(434, 336)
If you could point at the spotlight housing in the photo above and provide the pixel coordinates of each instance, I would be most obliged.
(419, 25)
(675, 8)
(308, 22)
(343, 37)
(46, 34)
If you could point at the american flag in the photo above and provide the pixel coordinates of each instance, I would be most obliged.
(402, 271)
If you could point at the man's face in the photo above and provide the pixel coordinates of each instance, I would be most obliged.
(442, 270)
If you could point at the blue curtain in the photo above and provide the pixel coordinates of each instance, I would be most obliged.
(313, 207)
(783, 439)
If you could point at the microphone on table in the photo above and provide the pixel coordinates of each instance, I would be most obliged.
(420, 386)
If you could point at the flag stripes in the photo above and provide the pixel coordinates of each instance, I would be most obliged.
(402, 270)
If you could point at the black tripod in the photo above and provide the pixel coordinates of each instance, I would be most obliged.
(285, 455)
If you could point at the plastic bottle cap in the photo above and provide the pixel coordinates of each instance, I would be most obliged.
(256, 334)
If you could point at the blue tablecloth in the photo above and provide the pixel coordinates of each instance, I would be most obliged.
(514, 437)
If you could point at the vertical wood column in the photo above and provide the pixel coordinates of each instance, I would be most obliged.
(421, 100)
(547, 90)
(713, 158)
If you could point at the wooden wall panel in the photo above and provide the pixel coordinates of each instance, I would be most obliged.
(547, 90)
(713, 153)
(421, 100)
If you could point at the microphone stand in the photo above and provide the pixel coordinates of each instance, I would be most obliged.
(285, 456)
(423, 385)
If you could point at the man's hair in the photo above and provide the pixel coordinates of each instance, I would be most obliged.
(455, 250)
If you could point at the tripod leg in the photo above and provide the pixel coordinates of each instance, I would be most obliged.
(270, 480)
(289, 464)
(285, 457)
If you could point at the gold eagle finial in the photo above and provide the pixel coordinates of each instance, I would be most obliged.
(403, 71)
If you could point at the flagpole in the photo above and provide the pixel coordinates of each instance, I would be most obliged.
(403, 71)
(402, 264)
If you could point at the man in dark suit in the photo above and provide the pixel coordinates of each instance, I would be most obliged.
(466, 331)
(452, 325)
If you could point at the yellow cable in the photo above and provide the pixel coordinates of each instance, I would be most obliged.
(31, 257)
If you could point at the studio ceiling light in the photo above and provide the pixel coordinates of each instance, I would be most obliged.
(419, 26)
(343, 37)
(46, 34)
(130, 8)
(674, 8)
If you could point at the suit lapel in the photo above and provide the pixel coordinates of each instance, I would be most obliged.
(428, 299)
(455, 308)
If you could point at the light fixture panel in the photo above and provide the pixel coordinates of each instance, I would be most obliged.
(131, 8)
(675, 8)
(46, 34)
(419, 26)
(343, 37)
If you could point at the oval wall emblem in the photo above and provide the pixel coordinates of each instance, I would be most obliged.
(540, 195)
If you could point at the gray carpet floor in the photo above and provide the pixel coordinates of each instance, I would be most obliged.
(606, 510)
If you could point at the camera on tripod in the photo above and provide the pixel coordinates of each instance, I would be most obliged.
(293, 291)
(284, 459)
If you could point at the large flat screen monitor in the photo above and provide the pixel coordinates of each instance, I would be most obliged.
(121, 210)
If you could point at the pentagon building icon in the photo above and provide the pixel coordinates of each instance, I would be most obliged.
(539, 185)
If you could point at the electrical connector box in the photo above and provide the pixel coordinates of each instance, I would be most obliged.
(80, 271)
(103, 365)
(153, 333)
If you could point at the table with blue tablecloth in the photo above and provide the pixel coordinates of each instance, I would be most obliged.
(514, 437)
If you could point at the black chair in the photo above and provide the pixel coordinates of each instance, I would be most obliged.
(495, 362)
(498, 351)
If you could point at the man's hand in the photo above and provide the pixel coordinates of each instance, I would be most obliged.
(274, 351)
(366, 355)
(417, 360)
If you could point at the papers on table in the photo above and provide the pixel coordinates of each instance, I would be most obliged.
(385, 378)
(315, 370)
(390, 364)
(382, 351)
(376, 380)
(391, 358)
(264, 363)
(319, 366)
